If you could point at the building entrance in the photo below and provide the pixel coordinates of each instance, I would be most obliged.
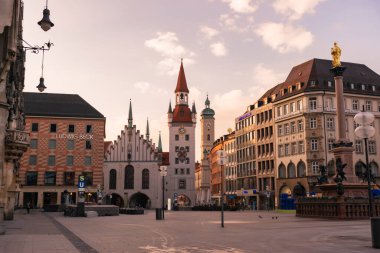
(139, 200)
(50, 198)
(31, 197)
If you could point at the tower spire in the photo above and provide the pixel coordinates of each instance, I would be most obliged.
(147, 129)
(130, 118)
(181, 82)
(170, 107)
(159, 143)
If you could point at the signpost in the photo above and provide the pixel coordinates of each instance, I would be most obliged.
(221, 161)
(81, 196)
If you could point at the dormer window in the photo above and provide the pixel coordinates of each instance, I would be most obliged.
(373, 88)
(312, 83)
(352, 86)
(363, 86)
(329, 83)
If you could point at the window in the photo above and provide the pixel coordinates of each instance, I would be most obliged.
(279, 111)
(53, 128)
(293, 126)
(352, 86)
(50, 177)
(282, 171)
(51, 160)
(187, 171)
(176, 171)
(329, 84)
(177, 137)
(112, 179)
(291, 170)
(280, 150)
(286, 149)
(372, 147)
(87, 161)
(358, 146)
(312, 83)
(69, 160)
(52, 144)
(280, 131)
(313, 123)
(330, 143)
(88, 178)
(145, 179)
(70, 144)
(33, 143)
(182, 184)
(355, 105)
(373, 88)
(301, 169)
(208, 137)
(301, 147)
(363, 86)
(176, 160)
(88, 145)
(294, 148)
(286, 126)
(31, 178)
(182, 171)
(71, 129)
(34, 127)
(300, 125)
(313, 103)
(330, 123)
(187, 137)
(368, 106)
(88, 129)
(69, 178)
(315, 167)
(286, 109)
(292, 107)
(314, 144)
(129, 177)
(299, 105)
(32, 160)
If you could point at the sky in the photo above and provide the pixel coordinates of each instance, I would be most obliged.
(112, 51)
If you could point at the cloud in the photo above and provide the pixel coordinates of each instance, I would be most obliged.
(208, 32)
(284, 38)
(147, 88)
(295, 9)
(142, 86)
(264, 79)
(167, 45)
(234, 22)
(242, 6)
(218, 49)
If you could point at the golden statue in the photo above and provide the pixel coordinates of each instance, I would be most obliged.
(336, 52)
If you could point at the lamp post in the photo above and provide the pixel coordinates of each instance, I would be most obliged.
(365, 131)
(45, 22)
(221, 160)
(163, 173)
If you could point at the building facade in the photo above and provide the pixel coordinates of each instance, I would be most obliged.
(182, 122)
(131, 169)
(66, 141)
(306, 123)
(230, 171)
(207, 139)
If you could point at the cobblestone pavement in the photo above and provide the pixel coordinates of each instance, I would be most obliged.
(184, 232)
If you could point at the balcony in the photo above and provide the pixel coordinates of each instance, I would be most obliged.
(16, 143)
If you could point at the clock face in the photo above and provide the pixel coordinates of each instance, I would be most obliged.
(182, 130)
(182, 154)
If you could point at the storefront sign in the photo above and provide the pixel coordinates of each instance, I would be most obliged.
(75, 136)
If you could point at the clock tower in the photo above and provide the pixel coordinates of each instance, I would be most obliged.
(207, 140)
(182, 121)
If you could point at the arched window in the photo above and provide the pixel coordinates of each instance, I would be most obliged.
(129, 177)
(374, 169)
(359, 169)
(145, 179)
(112, 182)
(291, 170)
(281, 171)
(208, 137)
(301, 169)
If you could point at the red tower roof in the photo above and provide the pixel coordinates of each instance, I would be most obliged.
(182, 113)
(181, 82)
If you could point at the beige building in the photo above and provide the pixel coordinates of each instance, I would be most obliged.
(305, 122)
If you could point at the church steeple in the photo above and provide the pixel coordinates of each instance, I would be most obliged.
(130, 118)
(147, 129)
(181, 82)
(170, 107)
(159, 143)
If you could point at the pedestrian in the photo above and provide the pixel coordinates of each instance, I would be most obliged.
(28, 207)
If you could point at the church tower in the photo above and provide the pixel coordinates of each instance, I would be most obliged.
(207, 139)
(182, 122)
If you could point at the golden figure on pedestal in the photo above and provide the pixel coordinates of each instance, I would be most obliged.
(336, 52)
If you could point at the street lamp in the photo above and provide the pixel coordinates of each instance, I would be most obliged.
(365, 131)
(221, 160)
(45, 22)
(163, 173)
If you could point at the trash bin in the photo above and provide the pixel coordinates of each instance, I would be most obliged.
(375, 231)
(158, 214)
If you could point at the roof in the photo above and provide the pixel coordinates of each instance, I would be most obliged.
(58, 105)
(107, 144)
(182, 113)
(208, 112)
(181, 82)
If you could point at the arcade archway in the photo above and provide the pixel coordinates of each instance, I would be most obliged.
(183, 200)
(114, 199)
(139, 200)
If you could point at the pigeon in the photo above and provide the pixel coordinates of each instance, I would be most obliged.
(260, 217)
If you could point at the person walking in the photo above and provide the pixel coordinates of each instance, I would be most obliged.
(28, 207)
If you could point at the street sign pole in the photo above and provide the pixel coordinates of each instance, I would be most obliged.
(221, 160)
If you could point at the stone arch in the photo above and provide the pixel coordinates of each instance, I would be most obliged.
(281, 171)
(183, 200)
(145, 179)
(129, 177)
(291, 170)
(114, 199)
(299, 190)
(285, 190)
(301, 169)
(359, 169)
(374, 168)
(139, 200)
(112, 179)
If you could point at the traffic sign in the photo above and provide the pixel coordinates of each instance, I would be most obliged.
(81, 183)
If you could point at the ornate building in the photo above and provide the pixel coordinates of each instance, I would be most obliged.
(131, 169)
(182, 122)
(13, 139)
(207, 139)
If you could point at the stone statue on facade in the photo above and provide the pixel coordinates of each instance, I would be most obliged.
(336, 52)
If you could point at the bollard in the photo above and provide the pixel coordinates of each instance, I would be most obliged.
(158, 214)
(375, 232)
